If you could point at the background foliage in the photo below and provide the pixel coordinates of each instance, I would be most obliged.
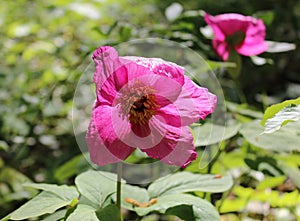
(47, 44)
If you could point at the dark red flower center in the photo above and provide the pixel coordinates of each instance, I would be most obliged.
(138, 103)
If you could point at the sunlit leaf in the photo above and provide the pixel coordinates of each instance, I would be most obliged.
(202, 210)
(65, 192)
(281, 118)
(173, 11)
(85, 9)
(267, 165)
(261, 61)
(135, 193)
(275, 47)
(188, 182)
(83, 212)
(274, 109)
(286, 139)
(218, 64)
(45, 202)
(233, 205)
(96, 186)
(56, 216)
(270, 182)
(291, 113)
(212, 133)
(243, 109)
(293, 173)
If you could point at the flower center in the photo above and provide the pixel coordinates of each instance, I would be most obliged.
(138, 103)
(236, 38)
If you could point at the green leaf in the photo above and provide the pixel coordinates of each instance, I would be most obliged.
(269, 169)
(266, 16)
(243, 109)
(6, 218)
(214, 65)
(268, 165)
(11, 183)
(125, 32)
(276, 47)
(188, 182)
(284, 140)
(83, 212)
(288, 199)
(173, 11)
(68, 193)
(294, 174)
(209, 133)
(45, 202)
(184, 212)
(281, 118)
(261, 61)
(58, 215)
(270, 182)
(202, 210)
(274, 109)
(233, 205)
(3, 145)
(133, 192)
(96, 186)
(109, 213)
(193, 13)
(68, 169)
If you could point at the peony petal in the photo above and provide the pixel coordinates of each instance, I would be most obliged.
(226, 25)
(171, 115)
(222, 49)
(105, 146)
(141, 130)
(193, 103)
(99, 154)
(218, 33)
(160, 67)
(106, 61)
(184, 152)
(252, 49)
(109, 73)
(167, 88)
(229, 23)
(115, 131)
(176, 147)
(146, 136)
(254, 42)
(126, 74)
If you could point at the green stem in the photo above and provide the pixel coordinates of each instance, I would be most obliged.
(119, 177)
(241, 93)
(212, 162)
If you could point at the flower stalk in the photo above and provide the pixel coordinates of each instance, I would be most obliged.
(119, 187)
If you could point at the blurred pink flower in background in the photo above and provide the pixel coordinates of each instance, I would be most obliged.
(144, 103)
(245, 34)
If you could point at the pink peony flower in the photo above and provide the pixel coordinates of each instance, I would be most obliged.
(244, 34)
(144, 103)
